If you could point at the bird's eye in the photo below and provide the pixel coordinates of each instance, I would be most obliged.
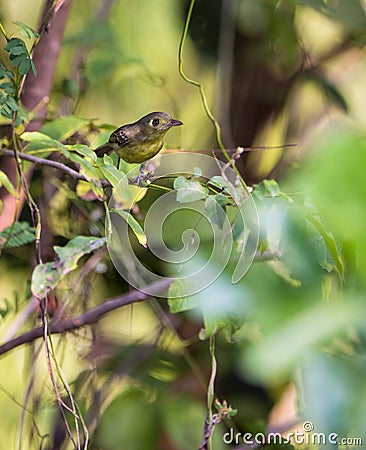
(155, 122)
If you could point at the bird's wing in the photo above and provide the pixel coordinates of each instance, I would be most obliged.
(119, 137)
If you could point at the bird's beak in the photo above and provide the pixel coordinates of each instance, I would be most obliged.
(174, 123)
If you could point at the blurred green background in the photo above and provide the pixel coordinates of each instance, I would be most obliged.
(274, 72)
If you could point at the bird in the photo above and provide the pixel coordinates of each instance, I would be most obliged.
(141, 140)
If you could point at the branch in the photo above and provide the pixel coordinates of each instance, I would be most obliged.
(78, 176)
(89, 317)
(55, 164)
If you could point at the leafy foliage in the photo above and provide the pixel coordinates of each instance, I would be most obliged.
(10, 80)
(19, 56)
(18, 234)
(8, 102)
(47, 276)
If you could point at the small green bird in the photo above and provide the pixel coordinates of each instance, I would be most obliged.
(139, 141)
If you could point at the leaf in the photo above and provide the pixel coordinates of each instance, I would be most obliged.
(135, 226)
(329, 89)
(7, 184)
(88, 191)
(197, 172)
(17, 50)
(215, 212)
(84, 150)
(14, 43)
(40, 141)
(18, 234)
(237, 193)
(189, 190)
(26, 30)
(284, 272)
(7, 93)
(19, 55)
(64, 127)
(329, 241)
(24, 67)
(268, 189)
(47, 276)
(225, 323)
(7, 309)
(86, 167)
(178, 301)
(5, 73)
(112, 174)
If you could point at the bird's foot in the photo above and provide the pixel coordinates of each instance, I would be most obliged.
(143, 179)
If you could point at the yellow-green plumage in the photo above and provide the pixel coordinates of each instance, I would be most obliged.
(139, 141)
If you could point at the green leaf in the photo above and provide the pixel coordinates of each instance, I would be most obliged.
(40, 141)
(26, 30)
(197, 172)
(329, 89)
(237, 193)
(64, 127)
(329, 241)
(84, 150)
(47, 276)
(84, 189)
(215, 212)
(13, 43)
(34, 70)
(16, 59)
(7, 309)
(24, 67)
(112, 174)
(4, 181)
(218, 181)
(268, 189)
(135, 226)
(5, 73)
(18, 234)
(214, 323)
(189, 190)
(178, 301)
(19, 55)
(17, 50)
(87, 169)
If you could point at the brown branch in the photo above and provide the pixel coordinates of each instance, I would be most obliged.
(89, 317)
(78, 176)
(50, 163)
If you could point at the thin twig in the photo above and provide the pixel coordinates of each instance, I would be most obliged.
(55, 164)
(89, 317)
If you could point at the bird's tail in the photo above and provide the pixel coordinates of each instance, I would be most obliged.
(104, 149)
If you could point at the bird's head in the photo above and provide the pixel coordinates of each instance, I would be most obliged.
(158, 123)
